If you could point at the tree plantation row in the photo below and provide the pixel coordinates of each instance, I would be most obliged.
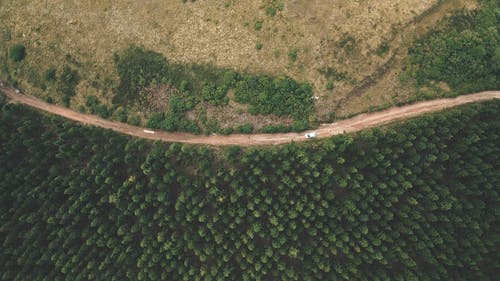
(418, 201)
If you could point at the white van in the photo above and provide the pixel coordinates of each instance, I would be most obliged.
(310, 135)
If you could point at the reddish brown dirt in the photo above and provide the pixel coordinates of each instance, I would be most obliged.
(358, 123)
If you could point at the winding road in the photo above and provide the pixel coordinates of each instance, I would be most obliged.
(357, 123)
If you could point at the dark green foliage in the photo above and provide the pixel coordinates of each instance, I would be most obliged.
(17, 52)
(121, 114)
(329, 85)
(419, 203)
(279, 96)
(246, 128)
(348, 43)
(49, 99)
(67, 83)
(214, 95)
(134, 120)
(137, 68)
(103, 111)
(300, 125)
(293, 54)
(95, 107)
(271, 11)
(258, 25)
(174, 119)
(332, 73)
(226, 131)
(464, 53)
(91, 102)
(50, 74)
(273, 6)
(3, 99)
(383, 48)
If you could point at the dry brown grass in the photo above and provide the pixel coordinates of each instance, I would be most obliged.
(220, 32)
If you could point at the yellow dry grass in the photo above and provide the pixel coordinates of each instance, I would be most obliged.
(219, 32)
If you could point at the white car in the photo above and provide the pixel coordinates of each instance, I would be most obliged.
(310, 135)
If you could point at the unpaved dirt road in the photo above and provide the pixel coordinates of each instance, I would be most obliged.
(354, 124)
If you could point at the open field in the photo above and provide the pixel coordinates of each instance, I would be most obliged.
(333, 41)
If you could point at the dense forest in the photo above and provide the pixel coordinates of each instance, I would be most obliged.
(418, 201)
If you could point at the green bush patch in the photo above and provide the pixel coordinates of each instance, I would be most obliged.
(464, 53)
(17, 52)
(139, 69)
(279, 96)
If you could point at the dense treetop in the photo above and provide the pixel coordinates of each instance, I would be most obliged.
(419, 201)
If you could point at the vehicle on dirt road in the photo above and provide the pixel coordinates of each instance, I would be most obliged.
(310, 135)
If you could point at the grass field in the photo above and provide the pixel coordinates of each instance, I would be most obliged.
(334, 45)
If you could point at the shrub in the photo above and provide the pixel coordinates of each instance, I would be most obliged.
(137, 68)
(293, 54)
(65, 100)
(333, 75)
(214, 95)
(258, 25)
(17, 52)
(50, 74)
(91, 101)
(246, 128)
(67, 82)
(155, 120)
(279, 96)
(300, 125)
(258, 46)
(230, 78)
(49, 99)
(329, 85)
(103, 111)
(95, 107)
(226, 131)
(383, 48)
(121, 114)
(134, 120)
(271, 11)
(174, 119)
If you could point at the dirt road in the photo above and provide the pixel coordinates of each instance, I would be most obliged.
(354, 124)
